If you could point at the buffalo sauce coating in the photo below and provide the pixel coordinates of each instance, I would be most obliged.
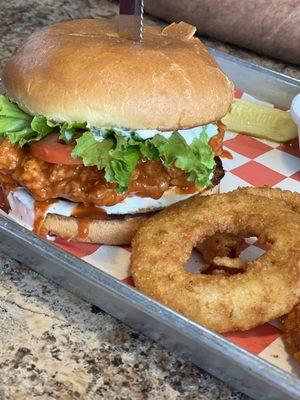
(216, 142)
(81, 212)
(82, 184)
(40, 210)
(4, 205)
(84, 214)
(83, 228)
(86, 185)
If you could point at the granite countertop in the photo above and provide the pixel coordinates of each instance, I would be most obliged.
(54, 345)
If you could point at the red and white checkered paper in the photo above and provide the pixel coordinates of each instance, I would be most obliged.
(256, 162)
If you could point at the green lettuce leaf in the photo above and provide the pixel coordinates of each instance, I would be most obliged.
(39, 124)
(13, 121)
(93, 151)
(147, 148)
(110, 151)
(69, 131)
(118, 155)
(196, 159)
(124, 158)
(20, 127)
(34, 131)
(11, 110)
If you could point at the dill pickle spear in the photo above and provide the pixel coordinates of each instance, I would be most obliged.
(260, 121)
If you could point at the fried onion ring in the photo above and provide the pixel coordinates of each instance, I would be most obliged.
(227, 262)
(291, 324)
(292, 199)
(269, 287)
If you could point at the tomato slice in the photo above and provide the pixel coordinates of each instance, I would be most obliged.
(52, 151)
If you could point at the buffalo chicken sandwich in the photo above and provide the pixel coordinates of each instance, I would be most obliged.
(97, 132)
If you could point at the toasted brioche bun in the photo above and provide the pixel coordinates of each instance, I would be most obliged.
(114, 231)
(82, 70)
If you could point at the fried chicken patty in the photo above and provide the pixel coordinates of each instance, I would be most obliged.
(18, 167)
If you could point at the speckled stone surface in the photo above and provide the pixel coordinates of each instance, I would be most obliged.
(55, 346)
(52, 344)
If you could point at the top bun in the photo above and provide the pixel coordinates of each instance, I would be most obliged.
(82, 70)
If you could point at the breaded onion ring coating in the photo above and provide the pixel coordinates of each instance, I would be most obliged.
(270, 286)
(228, 262)
(291, 323)
(292, 199)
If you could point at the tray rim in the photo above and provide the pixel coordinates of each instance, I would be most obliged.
(121, 290)
(255, 67)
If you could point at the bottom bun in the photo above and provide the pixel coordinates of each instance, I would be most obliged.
(115, 231)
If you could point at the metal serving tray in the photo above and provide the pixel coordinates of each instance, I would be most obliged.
(210, 351)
